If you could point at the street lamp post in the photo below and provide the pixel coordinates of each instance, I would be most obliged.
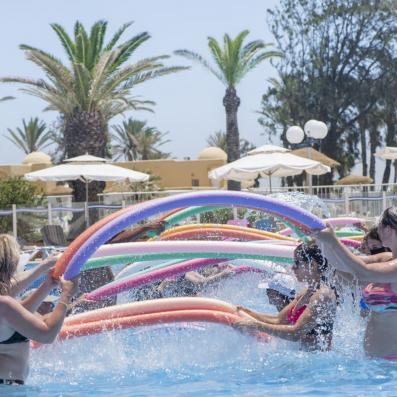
(313, 129)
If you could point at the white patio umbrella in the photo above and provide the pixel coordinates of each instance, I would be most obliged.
(387, 153)
(87, 169)
(268, 149)
(267, 164)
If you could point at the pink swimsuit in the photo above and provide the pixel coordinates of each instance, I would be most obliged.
(381, 298)
(293, 315)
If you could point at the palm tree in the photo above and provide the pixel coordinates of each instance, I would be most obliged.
(94, 87)
(233, 62)
(218, 139)
(32, 137)
(136, 141)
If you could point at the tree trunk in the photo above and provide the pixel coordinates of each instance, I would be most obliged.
(390, 141)
(386, 173)
(363, 141)
(395, 171)
(328, 148)
(231, 102)
(373, 144)
(85, 132)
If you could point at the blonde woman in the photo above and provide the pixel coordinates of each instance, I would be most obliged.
(18, 324)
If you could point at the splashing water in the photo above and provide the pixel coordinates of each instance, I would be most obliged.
(210, 360)
(308, 202)
(213, 360)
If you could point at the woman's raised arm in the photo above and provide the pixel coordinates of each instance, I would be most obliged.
(43, 330)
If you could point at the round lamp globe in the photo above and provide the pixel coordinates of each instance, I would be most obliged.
(295, 134)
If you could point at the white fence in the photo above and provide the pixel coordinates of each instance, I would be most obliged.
(360, 201)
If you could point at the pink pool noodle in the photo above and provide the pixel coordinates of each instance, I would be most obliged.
(215, 247)
(122, 285)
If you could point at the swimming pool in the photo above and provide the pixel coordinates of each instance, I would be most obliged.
(209, 360)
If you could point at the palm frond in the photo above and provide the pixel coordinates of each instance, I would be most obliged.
(97, 36)
(32, 137)
(54, 69)
(66, 41)
(117, 36)
(82, 84)
(56, 101)
(39, 84)
(198, 58)
(97, 78)
(232, 56)
(233, 60)
(17, 141)
(217, 56)
(100, 75)
(128, 48)
(146, 76)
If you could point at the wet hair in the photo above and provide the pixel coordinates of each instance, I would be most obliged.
(284, 299)
(388, 218)
(372, 234)
(306, 252)
(9, 258)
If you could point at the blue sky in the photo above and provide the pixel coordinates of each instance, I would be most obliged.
(189, 104)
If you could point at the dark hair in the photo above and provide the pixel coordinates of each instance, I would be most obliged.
(388, 218)
(306, 252)
(286, 300)
(372, 233)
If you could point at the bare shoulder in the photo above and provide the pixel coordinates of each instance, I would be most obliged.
(5, 303)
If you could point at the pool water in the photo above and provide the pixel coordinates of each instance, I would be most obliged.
(209, 360)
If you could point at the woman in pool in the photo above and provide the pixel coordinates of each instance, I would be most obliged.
(381, 295)
(193, 282)
(18, 324)
(309, 318)
(371, 244)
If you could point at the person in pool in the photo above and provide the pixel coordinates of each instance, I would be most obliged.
(309, 318)
(93, 279)
(371, 244)
(140, 233)
(193, 282)
(18, 324)
(380, 271)
(280, 290)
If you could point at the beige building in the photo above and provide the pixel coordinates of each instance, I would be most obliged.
(171, 174)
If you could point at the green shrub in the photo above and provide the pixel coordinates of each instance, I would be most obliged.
(22, 193)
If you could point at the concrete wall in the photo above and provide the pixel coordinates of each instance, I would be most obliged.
(177, 174)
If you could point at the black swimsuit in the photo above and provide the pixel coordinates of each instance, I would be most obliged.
(16, 337)
(322, 329)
